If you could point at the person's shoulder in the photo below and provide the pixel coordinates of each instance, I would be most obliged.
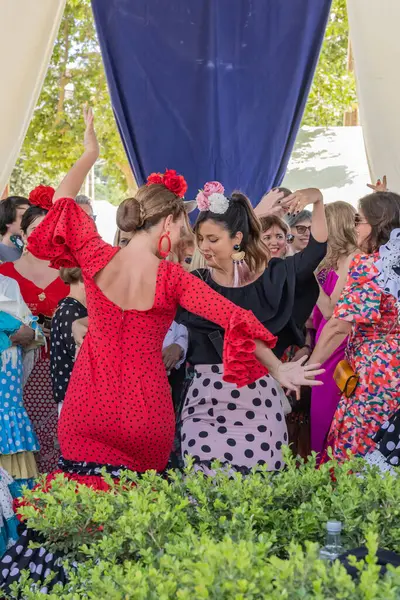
(362, 268)
(176, 270)
(7, 267)
(359, 260)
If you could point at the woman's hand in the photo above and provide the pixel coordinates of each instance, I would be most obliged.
(295, 374)
(297, 201)
(380, 186)
(74, 179)
(171, 356)
(90, 139)
(271, 204)
(23, 337)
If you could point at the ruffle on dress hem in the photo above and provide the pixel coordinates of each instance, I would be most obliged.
(21, 465)
(39, 561)
(16, 431)
(241, 366)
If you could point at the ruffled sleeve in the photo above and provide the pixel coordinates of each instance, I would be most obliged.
(241, 366)
(360, 301)
(68, 238)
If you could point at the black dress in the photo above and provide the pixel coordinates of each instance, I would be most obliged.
(246, 427)
(62, 345)
(283, 298)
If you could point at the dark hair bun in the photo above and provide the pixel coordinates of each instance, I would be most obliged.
(128, 215)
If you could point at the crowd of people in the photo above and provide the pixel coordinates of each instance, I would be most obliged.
(211, 340)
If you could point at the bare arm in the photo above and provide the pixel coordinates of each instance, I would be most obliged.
(79, 330)
(333, 334)
(302, 198)
(325, 303)
(74, 179)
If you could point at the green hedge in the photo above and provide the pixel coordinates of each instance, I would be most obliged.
(241, 537)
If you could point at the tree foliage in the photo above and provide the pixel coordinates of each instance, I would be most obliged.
(76, 75)
(54, 139)
(333, 90)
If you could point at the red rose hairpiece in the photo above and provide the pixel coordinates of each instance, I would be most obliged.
(171, 180)
(42, 196)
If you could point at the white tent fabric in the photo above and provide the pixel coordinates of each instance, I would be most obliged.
(28, 32)
(374, 32)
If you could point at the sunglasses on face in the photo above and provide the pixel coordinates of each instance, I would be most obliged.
(358, 220)
(302, 229)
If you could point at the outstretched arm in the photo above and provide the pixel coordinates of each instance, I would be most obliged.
(298, 202)
(74, 179)
(326, 304)
(246, 339)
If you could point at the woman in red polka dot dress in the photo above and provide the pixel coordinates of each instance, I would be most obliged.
(118, 411)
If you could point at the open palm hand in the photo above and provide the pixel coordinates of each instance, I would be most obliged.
(295, 374)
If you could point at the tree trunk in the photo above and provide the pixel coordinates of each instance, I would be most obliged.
(350, 117)
(64, 73)
(130, 180)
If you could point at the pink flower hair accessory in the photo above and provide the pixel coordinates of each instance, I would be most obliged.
(212, 198)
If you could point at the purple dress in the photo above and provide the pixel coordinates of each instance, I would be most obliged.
(324, 399)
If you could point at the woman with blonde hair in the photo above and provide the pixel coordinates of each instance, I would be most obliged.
(331, 277)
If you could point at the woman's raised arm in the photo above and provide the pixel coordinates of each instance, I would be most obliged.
(74, 179)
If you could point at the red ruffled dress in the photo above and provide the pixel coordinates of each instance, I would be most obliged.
(118, 411)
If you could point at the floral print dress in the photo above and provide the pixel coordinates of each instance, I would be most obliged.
(374, 353)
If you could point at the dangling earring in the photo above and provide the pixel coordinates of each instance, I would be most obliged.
(238, 255)
(164, 253)
(241, 271)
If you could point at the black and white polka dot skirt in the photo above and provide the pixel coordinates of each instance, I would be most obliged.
(386, 454)
(243, 427)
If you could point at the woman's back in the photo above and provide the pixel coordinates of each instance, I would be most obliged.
(129, 279)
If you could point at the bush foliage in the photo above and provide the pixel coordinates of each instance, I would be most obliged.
(226, 537)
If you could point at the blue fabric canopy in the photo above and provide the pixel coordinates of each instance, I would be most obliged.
(212, 88)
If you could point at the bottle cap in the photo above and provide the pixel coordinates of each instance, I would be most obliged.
(334, 527)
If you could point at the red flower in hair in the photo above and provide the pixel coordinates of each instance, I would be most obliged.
(173, 182)
(42, 196)
(157, 178)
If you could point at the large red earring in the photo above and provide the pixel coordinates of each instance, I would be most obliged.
(164, 253)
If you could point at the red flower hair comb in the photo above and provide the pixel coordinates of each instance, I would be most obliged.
(42, 196)
(174, 182)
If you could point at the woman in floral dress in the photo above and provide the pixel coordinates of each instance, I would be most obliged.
(368, 311)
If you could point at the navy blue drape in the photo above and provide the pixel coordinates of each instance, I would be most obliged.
(212, 88)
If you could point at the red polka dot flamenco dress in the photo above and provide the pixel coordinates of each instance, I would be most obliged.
(118, 410)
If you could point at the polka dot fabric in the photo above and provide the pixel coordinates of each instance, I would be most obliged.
(243, 427)
(118, 408)
(62, 344)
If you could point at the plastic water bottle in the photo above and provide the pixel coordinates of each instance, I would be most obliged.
(333, 547)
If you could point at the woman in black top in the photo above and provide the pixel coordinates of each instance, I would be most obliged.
(245, 427)
(62, 343)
